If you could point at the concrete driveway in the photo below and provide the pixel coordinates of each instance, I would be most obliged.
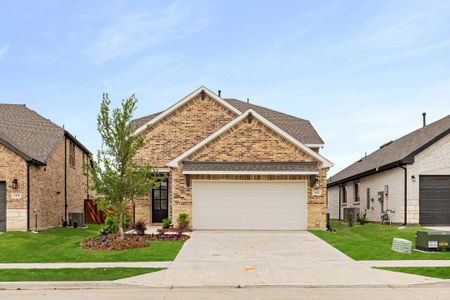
(254, 258)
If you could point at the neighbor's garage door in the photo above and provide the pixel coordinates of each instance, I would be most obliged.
(434, 202)
(250, 205)
(2, 206)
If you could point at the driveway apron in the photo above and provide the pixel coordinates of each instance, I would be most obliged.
(266, 258)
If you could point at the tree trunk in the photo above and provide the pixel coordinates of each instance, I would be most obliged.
(122, 236)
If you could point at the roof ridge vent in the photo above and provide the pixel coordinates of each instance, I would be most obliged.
(386, 144)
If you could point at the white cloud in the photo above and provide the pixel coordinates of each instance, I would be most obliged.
(4, 49)
(134, 32)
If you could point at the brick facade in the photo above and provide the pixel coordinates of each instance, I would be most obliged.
(12, 166)
(249, 140)
(46, 186)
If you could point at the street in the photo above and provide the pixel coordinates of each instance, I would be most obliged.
(429, 292)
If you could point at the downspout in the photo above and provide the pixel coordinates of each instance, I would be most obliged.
(339, 191)
(65, 179)
(405, 195)
(28, 196)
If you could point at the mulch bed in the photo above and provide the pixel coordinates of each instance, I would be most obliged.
(163, 230)
(131, 241)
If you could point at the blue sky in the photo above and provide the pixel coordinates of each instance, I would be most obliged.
(361, 71)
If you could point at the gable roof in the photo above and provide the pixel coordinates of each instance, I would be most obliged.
(174, 107)
(251, 112)
(30, 135)
(395, 153)
(300, 129)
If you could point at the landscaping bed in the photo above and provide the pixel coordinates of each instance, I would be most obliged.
(69, 274)
(374, 241)
(130, 241)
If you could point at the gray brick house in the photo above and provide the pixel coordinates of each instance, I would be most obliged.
(41, 171)
(408, 178)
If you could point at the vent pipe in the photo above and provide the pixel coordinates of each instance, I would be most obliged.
(248, 100)
(424, 117)
(219, 92)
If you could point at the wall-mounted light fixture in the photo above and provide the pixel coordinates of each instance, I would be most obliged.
(314, 181)
(15, 184)
(413, 178)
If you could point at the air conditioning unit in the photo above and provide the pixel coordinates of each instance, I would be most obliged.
(76, 217)
(354, 211)
(401, 245)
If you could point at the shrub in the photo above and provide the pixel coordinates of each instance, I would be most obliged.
(111, 224)
(75, 224)
(166, 223)
(350, 219)
(140, 227)
(362, 219)
(64, 223)
(183, 221)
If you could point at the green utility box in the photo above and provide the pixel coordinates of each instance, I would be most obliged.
(432, 240)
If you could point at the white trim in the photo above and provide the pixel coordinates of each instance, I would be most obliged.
(183, 101)
(250, 172)
(315, 145)
(161, 170)
(326, 163)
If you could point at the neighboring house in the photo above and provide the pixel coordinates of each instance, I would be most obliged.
(230, 164)
(409, 178)
(41, 171)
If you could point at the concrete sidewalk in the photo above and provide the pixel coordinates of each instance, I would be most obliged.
(88, 265)
(406, 263)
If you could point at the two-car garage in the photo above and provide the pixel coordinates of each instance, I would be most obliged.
(249, 205)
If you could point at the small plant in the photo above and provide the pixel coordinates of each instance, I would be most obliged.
(167, 223)
(183, 221)
(140, 227)
(350, 219)
(111, 224)
(362, 219)
(64, 223)
(75, 224)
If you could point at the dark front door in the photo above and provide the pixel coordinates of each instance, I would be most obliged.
(2, 206)
(434, 200)
(160, 202)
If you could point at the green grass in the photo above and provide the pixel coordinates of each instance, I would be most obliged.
(436, 272)
(373, 242)
(97, 274)
(63, 245)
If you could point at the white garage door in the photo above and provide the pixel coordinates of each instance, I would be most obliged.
(257, 205)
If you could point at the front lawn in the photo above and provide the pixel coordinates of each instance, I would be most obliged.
(436, 272)
(373, 242)
(97, 274)
(63, 245)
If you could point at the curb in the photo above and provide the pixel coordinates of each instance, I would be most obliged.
(80, 285)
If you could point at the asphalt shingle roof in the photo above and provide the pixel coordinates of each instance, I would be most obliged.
(25, 131)
(300, 129)
(399, 151)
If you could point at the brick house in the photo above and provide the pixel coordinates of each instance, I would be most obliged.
(408, 178)
(41, 171)
(230, 164)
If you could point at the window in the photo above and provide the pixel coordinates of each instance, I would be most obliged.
(343, 194)
(72, 154)
(368, 198)
(356, 191)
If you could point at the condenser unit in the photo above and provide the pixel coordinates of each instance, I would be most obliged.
(76, 217)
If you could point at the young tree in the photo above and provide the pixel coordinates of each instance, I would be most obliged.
(116, 178)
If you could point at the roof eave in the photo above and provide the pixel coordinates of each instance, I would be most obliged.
(77, 142)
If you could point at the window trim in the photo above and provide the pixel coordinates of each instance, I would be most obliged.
(357, 191)
(343, 191)
(72, 155)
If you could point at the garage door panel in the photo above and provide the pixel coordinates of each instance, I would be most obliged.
(249, 205)
(434, 200)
